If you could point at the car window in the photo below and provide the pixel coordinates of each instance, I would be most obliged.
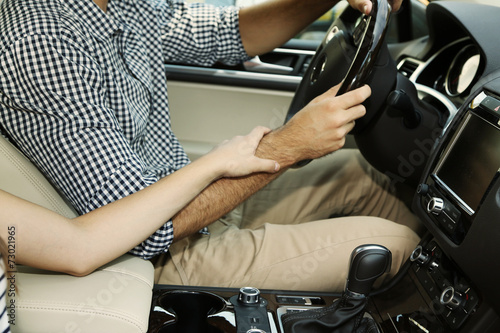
(316, 31)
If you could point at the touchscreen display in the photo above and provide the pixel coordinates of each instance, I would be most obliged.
(471, 161)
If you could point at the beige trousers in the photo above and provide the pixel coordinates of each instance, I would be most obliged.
(298, 232)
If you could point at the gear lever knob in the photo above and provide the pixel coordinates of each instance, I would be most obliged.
(368, 262)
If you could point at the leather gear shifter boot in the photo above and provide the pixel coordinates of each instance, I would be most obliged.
(347, 314)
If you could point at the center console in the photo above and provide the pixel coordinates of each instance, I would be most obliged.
(403, 308)
(247, 310)
(427, 296)
(224, 310)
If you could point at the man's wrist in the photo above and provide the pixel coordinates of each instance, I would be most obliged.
(279, 145)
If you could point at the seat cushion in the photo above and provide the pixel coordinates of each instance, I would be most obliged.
(114, 298)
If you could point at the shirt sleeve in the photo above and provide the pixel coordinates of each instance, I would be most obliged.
(200, 34)
(53, 106)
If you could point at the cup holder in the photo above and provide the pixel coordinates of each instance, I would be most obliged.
(191, 310)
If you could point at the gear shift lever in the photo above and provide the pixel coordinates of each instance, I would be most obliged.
(368, 262)
(346, 314)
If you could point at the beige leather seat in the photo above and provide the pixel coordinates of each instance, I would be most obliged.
(114, 298)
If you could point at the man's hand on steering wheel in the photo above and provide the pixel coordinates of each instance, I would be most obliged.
(365, 6)
(354, 53)
(322, 125)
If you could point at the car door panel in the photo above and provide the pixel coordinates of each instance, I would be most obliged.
(204, 114)
(209, 105)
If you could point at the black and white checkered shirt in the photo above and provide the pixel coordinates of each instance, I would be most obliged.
(84, 96)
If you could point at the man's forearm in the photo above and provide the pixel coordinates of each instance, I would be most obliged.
(225, 194)
(270, 24)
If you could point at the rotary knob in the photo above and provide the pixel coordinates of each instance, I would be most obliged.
(451, 298)
(435, 206)
(419, 256)
(249, 295)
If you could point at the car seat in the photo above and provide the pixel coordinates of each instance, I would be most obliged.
(114, 298)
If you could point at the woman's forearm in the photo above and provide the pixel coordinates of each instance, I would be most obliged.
(78, 246)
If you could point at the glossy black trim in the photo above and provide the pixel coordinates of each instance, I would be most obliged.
(230, 77)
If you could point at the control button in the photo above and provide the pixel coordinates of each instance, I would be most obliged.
(472, 301)
(452, 212)
(491, 104)
(423, 189)
(433, 292)
(291, 300)
(436, 251)
(443, 283)
(451, 225)
(433, 265)
(419, 256)
(435, 206)
(451, 298)
(249, 295)
(443, 220)
(299, 300)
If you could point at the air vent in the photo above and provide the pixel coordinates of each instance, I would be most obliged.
(407, 67)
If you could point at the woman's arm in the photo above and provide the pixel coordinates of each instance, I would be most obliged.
(50, 241)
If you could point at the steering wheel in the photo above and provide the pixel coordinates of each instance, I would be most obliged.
(353, 51)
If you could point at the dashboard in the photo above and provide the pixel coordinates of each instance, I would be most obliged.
(452, 71)
(456, 68)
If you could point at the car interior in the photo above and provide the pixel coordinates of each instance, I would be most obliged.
(432, 126)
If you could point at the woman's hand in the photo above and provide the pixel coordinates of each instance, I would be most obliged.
(236, 157)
